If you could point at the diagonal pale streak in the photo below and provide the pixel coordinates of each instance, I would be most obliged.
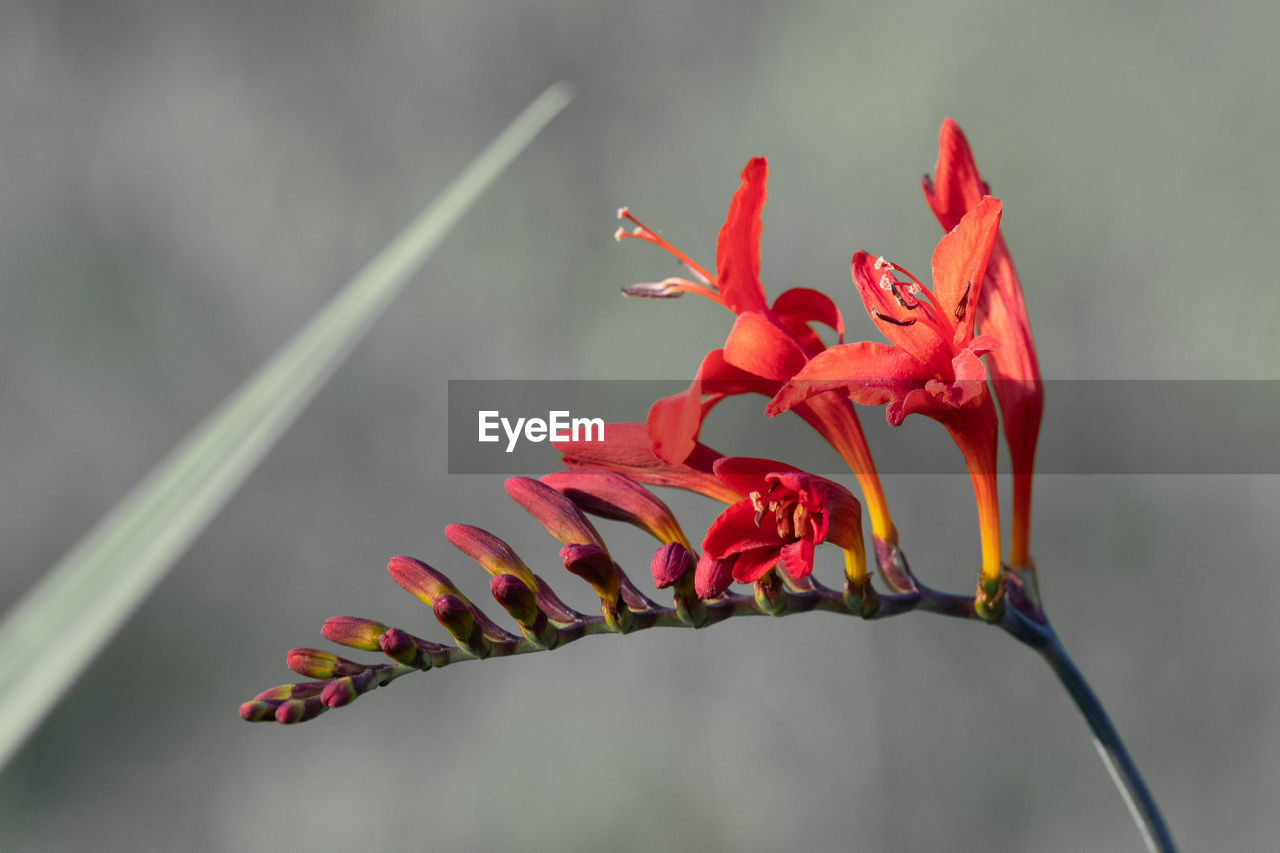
(61, 624)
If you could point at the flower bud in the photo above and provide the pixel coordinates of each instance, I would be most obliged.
(300, 710)
(554, 512)
(459, 619)
(403, 647)
(420, 580)
(353, 632)
(489, 551)
(593, 565)
(522, 604)
(314, 663)
(609, 494)
(339, 692)
(670, 564)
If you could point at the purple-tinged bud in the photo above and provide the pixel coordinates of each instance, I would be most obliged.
(314, 663)
(673, 566)
(403, 647)
(609, 494)
(300, 710)
(339, 692)
(422, 581)
(489, 551)
(353, 632)
(516, 598)
(258, 711)
(671, 563)
(459, 619)
(522, 604)
(554, 512)
(713, 575)
(594, 565)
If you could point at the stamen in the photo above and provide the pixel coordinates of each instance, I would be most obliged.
(881, 263)
(757, 506)
(888, 319)
(887, 282)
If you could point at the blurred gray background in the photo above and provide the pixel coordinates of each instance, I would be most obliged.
(183, 183)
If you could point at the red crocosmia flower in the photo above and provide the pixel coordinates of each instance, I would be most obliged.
(766, 347)
(1015, 371)
(933, 366)
(785, 514)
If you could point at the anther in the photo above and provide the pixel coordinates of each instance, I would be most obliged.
(963, 303)
(888, 319)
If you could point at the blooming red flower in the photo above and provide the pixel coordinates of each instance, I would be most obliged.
(785, 513)
(1001, 311)
(766, 346)
(933, 366)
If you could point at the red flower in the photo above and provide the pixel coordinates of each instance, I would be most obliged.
(766, 347)
(785, 514)
(1003, 313)
(934, 365)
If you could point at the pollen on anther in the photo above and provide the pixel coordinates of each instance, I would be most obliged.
(886, 282)
(881, 263)
(624, 212)
(619, 234)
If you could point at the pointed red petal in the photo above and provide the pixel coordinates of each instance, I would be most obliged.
(960, 264)
(738, 247)
(958, 187)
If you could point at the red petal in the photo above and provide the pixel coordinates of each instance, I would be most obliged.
(798, 307)
(960, 264)
(674, 422)
(797, 558)
(871, 373)
(752, 565)
(735, 531)
(747, 474)
(959, 187)
(738, 247)
(757, 345)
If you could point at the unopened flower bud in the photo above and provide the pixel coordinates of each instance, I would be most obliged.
(339, 692)
(489, 551)
(561, 518)
(353, 632)
(594, 565)
(300, 710)
(670, 564)
(419, 579)
(314, 663)
(522, 604)
(516, 598)
(459, 619)
(609, 494)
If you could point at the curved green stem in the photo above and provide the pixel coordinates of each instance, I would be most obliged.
(1040, 636)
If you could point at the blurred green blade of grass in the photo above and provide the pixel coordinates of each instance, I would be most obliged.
(59, 626)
